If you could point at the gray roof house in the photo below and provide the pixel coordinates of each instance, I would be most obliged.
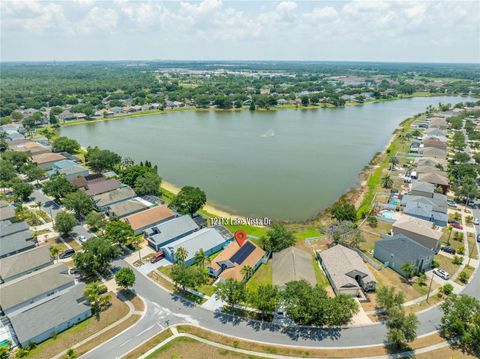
(19, 264)
(419, 230)
(169, 231)
(26, 290)
(7, 212)
(15, 238)
(427, 161)
(346, 271)
(208, 239)
(425, 211)
(53, 315)
(126, 208)
(100, 187)
(423, 189)
(292, 264)
(434, 153)
(107, 199)
(399, 249)
(438, 201)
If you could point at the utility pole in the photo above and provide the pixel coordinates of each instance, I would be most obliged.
(430, 287)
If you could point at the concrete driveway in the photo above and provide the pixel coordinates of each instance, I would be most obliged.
(150, 267)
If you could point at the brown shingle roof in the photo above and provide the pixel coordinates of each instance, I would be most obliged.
(107, 185)
(149, 217)
(47, 157)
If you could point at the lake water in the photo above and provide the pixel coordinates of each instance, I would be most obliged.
(286, 164)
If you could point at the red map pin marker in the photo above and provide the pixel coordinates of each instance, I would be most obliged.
(240, 237)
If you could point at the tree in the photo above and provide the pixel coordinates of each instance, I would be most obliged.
(247, 271)
(119, 232)
(266, 298)
(125, 278)
(188, 277)
(402, 328)
(200, 257)
(305, 100)
(461, 320)
(54, 250)
(344, 211)
(278, 237)
(64, 222)
(181, 254)
(65, 144)
(393, 161)
(231, 292)
(252, 106)
(95, 220)
(129, 174)
(16, 115)
(33, 172)
(463, 277)
(189, 200)
(148, 183)
(79, 202)
(93, 292)
(58, 186)
(346, 233)
(409, 269)
(7, 171)
(22, 190)
(447, 289)
(96, 256)
(387, 181)
(70, 354)
(389, 299)
(101, 160)
(16, 158)
(5, 352)
(461, 157)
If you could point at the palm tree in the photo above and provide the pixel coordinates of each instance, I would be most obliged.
(247, 271)
(181, 254)
(200, 257)
(393, 161)
(387, 181)
(54, 252)
(409, 270)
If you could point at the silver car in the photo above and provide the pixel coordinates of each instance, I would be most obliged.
(441, 273)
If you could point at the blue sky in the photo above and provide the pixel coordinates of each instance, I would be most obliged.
(361, 30)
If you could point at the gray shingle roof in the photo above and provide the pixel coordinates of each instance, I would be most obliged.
(403, 247)
(34, 284)
(15, 242)
(117, 195)
(7, 212)
(127, 207)
(438, 202)
(24, 261)
(173, 228)
(7, 228)
(50, 314)
(292, 264)
(423, 186)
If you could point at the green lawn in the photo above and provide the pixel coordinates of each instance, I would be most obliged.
(308, 233)
(319, 275)
(263, 275)
(446, 264)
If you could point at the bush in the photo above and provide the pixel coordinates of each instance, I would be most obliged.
(461, 250)
(373, 221)
(447, 289)
(463, 277)
(457, 260)
(435, 264)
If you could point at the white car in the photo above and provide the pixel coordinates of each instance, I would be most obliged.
(476, 221)
(441, 273)
(82, 238)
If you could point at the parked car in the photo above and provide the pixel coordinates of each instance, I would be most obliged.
(449, 249)
(478, 238)
(157, 257)
(452, 203)
(457, 225)
(82, 238)
(476, 221)
(441, 273)
(67, 253)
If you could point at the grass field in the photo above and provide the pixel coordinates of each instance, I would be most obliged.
(263, 275)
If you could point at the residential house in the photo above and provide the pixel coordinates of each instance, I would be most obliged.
(31, 147)
(84, 181)
(433, 162)
(7, 211)
(434, 143)
(148, 218)
(399, 249)
(167, 232)
(51, 316)
(425, 211)
(292, 264)
(436, 178)
(432, 152)
(66, 115)
(14, 136)
(423, 189)
(99, 187)
(15, 238)
(46, 160)
(230, 263)
(24, 291)
(68, 168)
(346, 271)
(24, 263)
(211, 240)
(105, 200)
(428, 169)
(438, 122)
(435, 132)
(419, 230)
(126, 208)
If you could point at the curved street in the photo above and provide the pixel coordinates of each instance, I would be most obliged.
(164, 309)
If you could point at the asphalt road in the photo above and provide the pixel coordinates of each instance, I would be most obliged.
(164, 309)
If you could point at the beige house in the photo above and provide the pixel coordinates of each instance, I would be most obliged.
(46, 160)
(292, 264)
(419, 230)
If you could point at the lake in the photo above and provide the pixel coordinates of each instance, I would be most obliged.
(285, 164)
